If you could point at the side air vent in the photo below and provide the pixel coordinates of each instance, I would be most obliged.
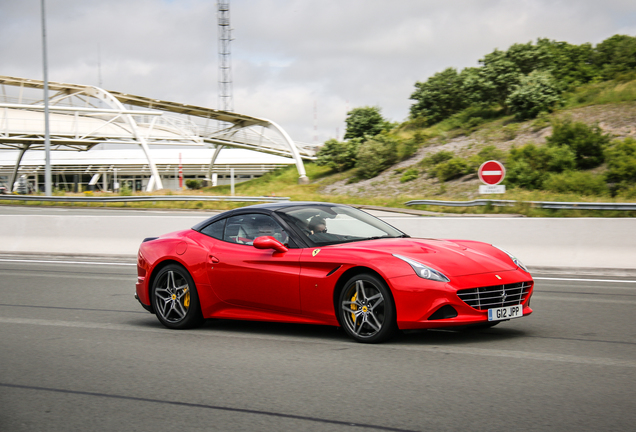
(333, 271)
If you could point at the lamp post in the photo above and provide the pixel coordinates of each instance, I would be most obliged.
(47, 136)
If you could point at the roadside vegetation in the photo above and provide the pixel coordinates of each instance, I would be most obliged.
(561, 117)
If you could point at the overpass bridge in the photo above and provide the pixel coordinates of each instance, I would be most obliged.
(83, 116)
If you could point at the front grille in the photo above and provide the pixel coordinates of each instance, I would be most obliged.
(495, 296)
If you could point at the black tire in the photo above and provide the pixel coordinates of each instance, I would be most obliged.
(366, 310)
(174, 298)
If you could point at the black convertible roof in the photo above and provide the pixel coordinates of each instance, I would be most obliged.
(268, 207)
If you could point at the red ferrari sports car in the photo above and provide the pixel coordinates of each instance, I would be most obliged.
(329, 264)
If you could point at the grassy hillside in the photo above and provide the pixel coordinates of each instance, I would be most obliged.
(610, 105)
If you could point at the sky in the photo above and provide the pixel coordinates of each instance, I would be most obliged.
(302, 64)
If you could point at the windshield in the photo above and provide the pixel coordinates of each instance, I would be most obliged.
(324, 225)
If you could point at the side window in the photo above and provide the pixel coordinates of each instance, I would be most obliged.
(243, 229)
(215, 230)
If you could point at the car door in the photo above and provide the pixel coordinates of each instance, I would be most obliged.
(244, 276)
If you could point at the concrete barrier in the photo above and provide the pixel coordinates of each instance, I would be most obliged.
(545, 242)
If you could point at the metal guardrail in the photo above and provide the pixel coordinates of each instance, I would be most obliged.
(539, 204)
(142, 198)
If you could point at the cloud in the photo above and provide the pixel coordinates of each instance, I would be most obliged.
(287, 55)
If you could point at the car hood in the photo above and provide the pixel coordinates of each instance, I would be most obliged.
(453, 258)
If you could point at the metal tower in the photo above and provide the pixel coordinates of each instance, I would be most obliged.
(226, 102)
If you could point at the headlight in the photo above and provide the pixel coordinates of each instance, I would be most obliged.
(423, 271)
(514, 259)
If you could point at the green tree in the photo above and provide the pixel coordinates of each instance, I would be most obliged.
(337, 155)
(616, 55)
(375, 155)
(365, 122)
(502, 71)
(570, 65)
(499, 75)
(536, 92)
(439, 97)
(587, 142)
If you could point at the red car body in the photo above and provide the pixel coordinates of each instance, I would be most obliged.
(302, 284)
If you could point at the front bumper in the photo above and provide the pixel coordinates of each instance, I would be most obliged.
(422, 303)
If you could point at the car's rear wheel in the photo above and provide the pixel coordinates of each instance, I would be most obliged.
(175, 299)
(366, 310)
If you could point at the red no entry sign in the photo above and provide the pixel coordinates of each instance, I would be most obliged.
(492, 172)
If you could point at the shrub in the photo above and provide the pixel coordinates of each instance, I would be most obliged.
(337, 155)
(124, 190)
(528, 165)
(588, 143)
(193, 184)
(376, 155)
(437, 158)
(487, 153)
(510, 131)
(451, 169)
(580, 182)
(467, 120)
(409, 174)
(541, 122)
(521, 174)
(409, 147)
(621, 161)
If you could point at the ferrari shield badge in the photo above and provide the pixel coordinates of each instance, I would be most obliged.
(315, 252)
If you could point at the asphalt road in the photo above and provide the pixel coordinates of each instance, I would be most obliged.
(77, 353)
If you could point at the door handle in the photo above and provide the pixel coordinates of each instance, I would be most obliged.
(213, 259)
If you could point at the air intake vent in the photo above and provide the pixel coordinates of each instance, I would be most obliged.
(444, 312)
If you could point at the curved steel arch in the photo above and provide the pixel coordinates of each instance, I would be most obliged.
(115, 100)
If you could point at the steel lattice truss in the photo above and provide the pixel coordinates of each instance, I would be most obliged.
(83, 116)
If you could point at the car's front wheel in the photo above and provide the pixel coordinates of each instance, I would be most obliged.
(175, 299)
(366, 310)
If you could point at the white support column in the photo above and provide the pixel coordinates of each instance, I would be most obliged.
(232, 181)
(14, 176)
(155, 180)
(302, 174)
(217, 150)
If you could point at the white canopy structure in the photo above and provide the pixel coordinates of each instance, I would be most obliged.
(83, 116)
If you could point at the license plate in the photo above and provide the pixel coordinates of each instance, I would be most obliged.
(504, 313)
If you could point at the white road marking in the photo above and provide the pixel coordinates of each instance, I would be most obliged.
(67, 262)
(585, 280)
(200, 217)
(582, 300)
(133, 264)
(485, 352)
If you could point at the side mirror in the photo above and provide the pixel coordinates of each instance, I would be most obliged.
(268, 242)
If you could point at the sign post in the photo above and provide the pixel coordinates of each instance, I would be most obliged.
(492, 173)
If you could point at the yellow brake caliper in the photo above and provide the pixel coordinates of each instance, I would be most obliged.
(354, 307)
(186, 298)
